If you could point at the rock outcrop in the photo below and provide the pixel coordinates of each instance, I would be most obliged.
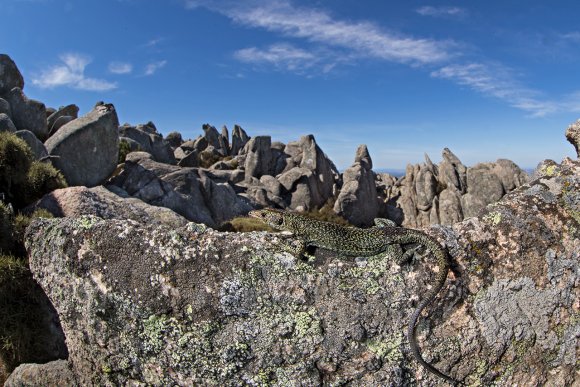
(37, 147)
(150, 304)
(10, 76)
(99, 201)
(358, 200)
(189, 192)
(87, 148)
(573, 136)
(450, 192)
(149, 141)
(27, 113)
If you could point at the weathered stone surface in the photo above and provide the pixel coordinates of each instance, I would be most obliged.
(466, 191)
(71, 110)
(27, 113)
(5, 107)
(150, 304)
(573, 136)
(6, 124)
(102, 202)
(188, 191)
(54, 373)
(301, 189)
(59, 123)
(321, 178)
(88, 147)
(211, 135)
(452, 172)
(224, 141)
(34, 143)
(357, 201)
(10, 76)
(258, 157)
(323, 169)
(149, 141)
(189, 160)
(239, 140)
(450, 210)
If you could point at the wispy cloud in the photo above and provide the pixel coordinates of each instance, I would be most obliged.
(152, 68)
(120, 68)
(573, 36)
(330, 38)
(498, 82)
(441, 11)
(285, 57)
(71, 74)
(362, 38)
(153, 42)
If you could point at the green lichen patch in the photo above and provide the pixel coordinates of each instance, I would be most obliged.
(388, 350)
(493, 218)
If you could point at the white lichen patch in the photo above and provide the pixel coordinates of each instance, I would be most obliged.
(97, 278)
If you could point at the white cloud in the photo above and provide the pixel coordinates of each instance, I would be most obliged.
(120, 68)
(338, 41)
(71, 74)
(152, 68)
(497, 81)
(281, 55)
(573, 36)
(441, 11)
(153, 42)
(363, 38)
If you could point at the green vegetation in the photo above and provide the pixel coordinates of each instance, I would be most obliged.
(23, 330)
(22, 179)
(246, 224)
(125, 149)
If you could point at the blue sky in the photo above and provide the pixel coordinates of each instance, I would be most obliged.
(487, 79)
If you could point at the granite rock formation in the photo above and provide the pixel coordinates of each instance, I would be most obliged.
(143, 303)
(86, 149)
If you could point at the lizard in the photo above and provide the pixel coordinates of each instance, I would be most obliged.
(354, 241)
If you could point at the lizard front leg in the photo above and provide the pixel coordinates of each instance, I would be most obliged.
(297, 247)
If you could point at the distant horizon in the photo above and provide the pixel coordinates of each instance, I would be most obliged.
(488, 81)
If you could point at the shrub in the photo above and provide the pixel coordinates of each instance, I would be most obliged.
(244, 224)
(42, 178)
(15, 160)
(124, 150)
(326, 213)
(6, 228)
(23, 180)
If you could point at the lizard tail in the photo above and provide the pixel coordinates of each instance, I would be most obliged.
(443, 262)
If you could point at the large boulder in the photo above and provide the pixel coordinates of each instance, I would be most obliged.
(6, 124)
(190, 192)
(155, 305)
(10, 76)
(309, 177)
(54, 373)
(450, 192)
(87, 148)
(239, 140)
(27, 113)
(5, 107)
(573, 136)
(149, 141)
(258, 157)
(37, 147)
(357, 201)
(70, 111)
(107, 204)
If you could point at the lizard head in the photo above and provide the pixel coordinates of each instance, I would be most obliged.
(273, 218)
